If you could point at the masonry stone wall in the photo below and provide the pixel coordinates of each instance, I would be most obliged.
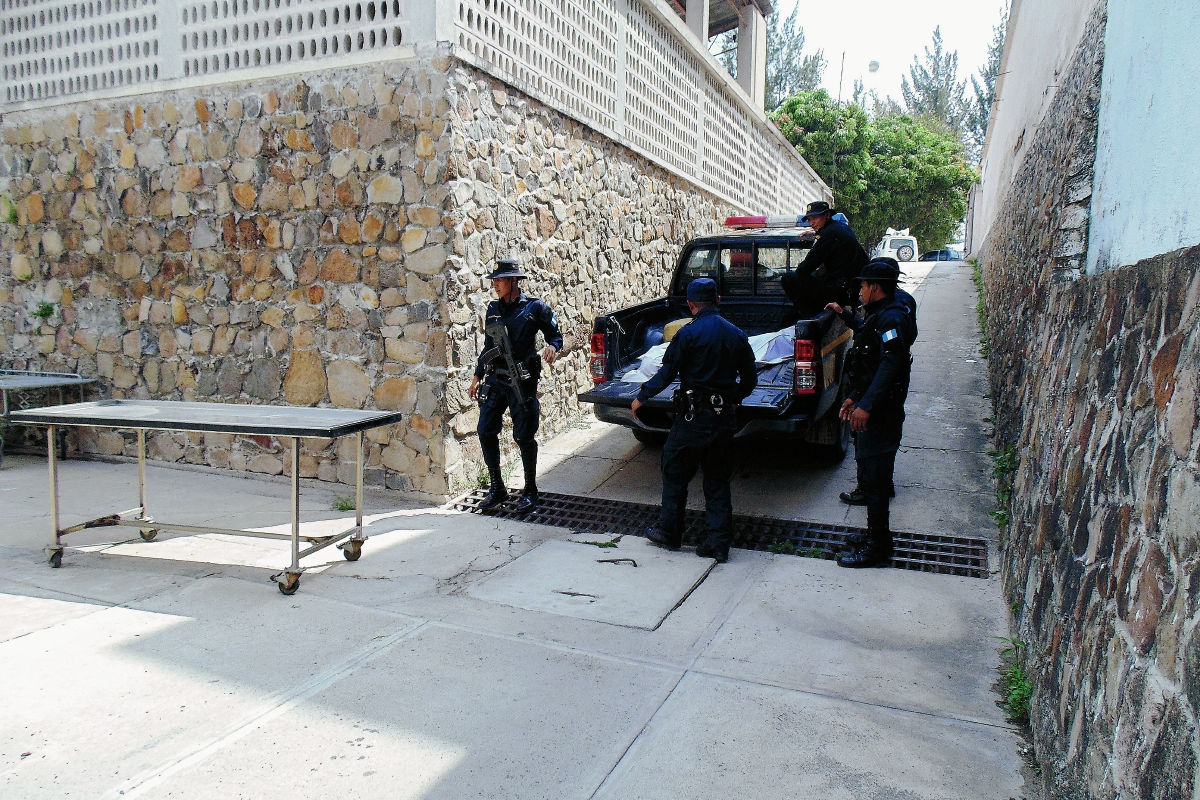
(320, 240)
(1094, 380)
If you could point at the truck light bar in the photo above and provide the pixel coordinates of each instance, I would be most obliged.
(786, 221)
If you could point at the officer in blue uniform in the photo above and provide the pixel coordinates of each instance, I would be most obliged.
(522, 317)
(827, 272)
(715, 365)
(855, 496)
(878, 367)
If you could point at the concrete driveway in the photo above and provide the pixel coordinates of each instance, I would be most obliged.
(435, 667)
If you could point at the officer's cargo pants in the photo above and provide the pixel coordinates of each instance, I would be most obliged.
(526, 419)
(705, 442)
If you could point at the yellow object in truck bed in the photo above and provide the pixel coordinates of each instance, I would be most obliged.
(672, 328)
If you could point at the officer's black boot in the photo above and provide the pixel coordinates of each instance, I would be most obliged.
(497, 494)
(529, 498)
(877, 552)
(855, 496)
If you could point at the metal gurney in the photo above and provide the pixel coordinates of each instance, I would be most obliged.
(143, 415)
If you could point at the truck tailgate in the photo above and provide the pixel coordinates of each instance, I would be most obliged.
(771, 395)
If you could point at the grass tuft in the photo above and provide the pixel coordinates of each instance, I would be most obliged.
(343, 503)
(1018, 688)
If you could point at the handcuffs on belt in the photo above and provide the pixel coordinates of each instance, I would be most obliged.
(684, 402)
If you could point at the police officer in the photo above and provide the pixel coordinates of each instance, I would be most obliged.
(827, 273)
(715, 365)
(878, 366)
(855, 497)
(522, 317)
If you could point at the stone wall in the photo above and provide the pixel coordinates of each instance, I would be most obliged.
(320, 241)
(1094, 381)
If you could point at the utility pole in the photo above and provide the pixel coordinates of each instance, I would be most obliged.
(837, 123)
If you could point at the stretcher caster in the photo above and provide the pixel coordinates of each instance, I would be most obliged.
(148, 534)
(54, 558)
(351, 549)
(288, 582)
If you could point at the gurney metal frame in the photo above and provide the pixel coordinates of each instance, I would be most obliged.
(19, 381)
(349, 541)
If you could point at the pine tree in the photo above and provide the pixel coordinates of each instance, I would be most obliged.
(980, 107)
(935, 93)
(789, 71)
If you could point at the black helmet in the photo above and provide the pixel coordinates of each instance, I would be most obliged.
(507, 268)
(880, 270)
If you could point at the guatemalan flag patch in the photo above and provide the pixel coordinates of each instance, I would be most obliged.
(892, 334)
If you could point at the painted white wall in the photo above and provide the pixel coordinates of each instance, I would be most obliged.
(1146, 195)
(1041, 39)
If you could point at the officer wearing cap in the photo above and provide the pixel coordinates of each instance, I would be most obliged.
(522, 317)
(715, 365)
(878, 367)
(827, 273)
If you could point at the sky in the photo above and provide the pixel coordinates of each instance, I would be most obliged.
(892, 33)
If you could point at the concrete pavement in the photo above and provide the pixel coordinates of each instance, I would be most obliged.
(431, 668)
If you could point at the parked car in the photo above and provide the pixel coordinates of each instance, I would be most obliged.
(800, 385)
(941, 255)
(900, 245)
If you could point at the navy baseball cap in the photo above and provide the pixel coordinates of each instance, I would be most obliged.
(702, 290)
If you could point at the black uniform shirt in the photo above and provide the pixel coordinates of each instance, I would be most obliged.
(523, 318)
(838, 251)
(890, 324)
(710, 355)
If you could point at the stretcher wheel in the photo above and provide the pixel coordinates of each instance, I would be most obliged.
(288, 585)
(55, 559)
(352, 551)
(148, 534)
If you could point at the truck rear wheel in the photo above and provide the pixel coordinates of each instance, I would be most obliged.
(836, 452)
(649, 438)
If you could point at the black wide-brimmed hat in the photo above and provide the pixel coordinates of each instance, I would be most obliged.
(507, 268)
(815, 208)
(881, 270)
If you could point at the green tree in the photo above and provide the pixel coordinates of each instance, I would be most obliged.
(834, 140)
(918, 178)
(979, 108)
(789, 70)
(935, 93)
(895, 171)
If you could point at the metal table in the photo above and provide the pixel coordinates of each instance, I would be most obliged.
(20, 381)
(143, 415)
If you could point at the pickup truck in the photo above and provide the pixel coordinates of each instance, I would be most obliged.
(797, 397)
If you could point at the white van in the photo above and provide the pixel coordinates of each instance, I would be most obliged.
(900, 245)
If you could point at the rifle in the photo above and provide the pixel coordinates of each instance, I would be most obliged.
(516, 371)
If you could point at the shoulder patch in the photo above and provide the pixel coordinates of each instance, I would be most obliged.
(889, 335)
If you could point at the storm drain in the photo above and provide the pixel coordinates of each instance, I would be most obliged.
(926, 552)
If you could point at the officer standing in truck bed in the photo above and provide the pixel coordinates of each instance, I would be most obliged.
(715, 365)
(878, 367)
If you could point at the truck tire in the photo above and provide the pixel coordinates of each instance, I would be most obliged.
(905, 253)
(649, 438)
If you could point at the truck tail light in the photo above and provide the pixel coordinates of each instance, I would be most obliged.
(598, 365)
(808, 367)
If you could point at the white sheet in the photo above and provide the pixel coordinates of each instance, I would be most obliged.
(769, 348)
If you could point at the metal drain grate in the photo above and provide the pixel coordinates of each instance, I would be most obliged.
(948, 555)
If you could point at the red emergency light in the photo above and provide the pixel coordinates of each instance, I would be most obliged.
(784, 221)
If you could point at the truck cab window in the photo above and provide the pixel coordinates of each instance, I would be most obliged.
(737, 267)
(701, 263)
(772, 262)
